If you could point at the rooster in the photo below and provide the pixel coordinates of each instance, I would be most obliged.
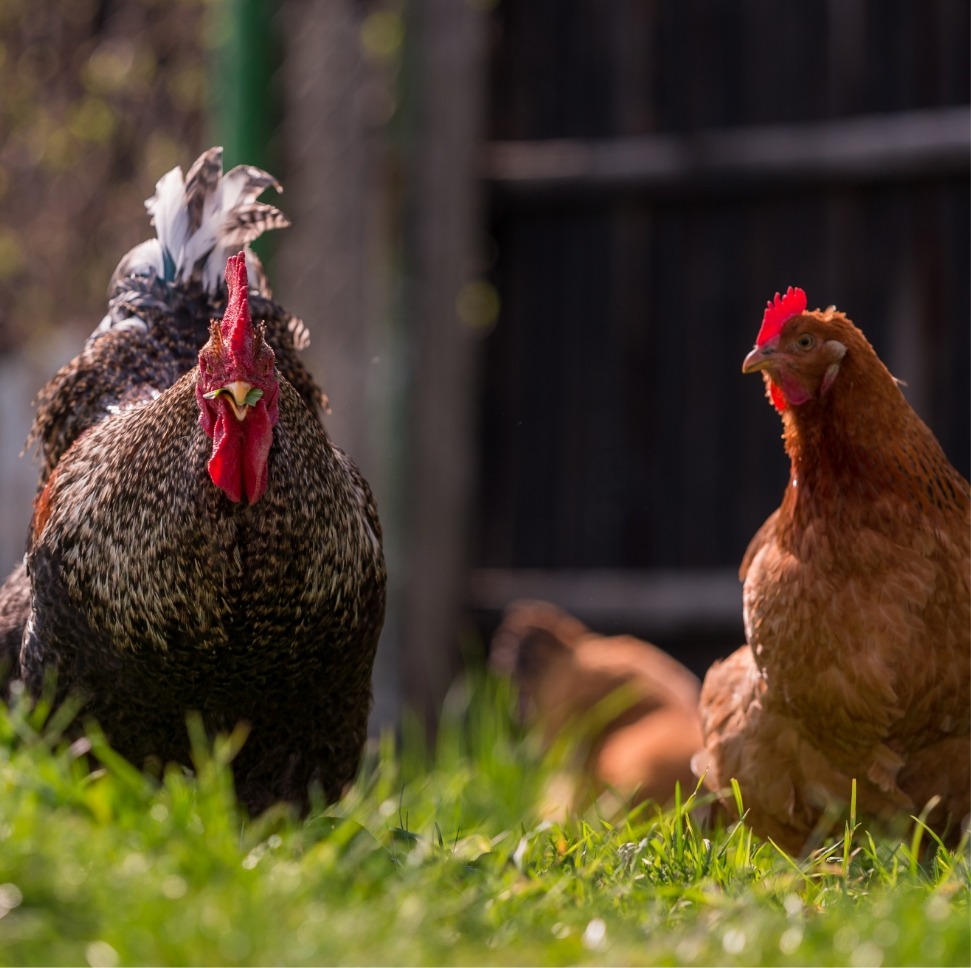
(198, 543)
(633, 708)
(857, 604)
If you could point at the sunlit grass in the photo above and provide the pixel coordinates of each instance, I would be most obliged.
(433, 858)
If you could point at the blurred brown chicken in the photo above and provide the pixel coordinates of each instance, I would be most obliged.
(631, 708)
(856, 600)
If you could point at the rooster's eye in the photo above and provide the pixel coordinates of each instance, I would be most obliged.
(806, 341)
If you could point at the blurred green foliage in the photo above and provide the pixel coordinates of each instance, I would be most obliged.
(99, 100)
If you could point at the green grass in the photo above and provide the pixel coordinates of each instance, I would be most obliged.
(431, 859)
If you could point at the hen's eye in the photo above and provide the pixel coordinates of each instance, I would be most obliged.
(806, 341)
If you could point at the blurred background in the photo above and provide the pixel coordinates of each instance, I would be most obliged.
(532, 240)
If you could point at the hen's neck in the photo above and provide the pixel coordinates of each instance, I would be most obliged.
(862, 441)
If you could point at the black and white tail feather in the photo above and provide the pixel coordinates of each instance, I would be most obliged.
(200, 220)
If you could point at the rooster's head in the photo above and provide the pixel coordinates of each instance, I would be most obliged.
(799, 353)
(238, 392)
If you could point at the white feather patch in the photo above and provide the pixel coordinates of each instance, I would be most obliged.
(201, 220)
(169, 215)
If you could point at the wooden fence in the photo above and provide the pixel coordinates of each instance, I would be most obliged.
(629, 181)
(656, 172)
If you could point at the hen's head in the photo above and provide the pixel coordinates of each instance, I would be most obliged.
(798, 352)
(237, 393)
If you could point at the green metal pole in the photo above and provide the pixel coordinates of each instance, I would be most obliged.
(246, 102)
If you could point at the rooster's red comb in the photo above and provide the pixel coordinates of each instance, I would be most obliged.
(777, 311)
(237, 328)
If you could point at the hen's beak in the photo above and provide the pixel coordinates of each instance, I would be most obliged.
(760, 358)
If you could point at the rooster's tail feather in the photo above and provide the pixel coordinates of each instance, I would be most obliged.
(201, 220)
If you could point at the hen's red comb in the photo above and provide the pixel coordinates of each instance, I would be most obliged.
(778, 311)
(237, 327)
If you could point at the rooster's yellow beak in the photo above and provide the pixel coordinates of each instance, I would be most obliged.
(240, 396)
(237, 394)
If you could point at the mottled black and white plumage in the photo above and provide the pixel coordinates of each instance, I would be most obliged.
(14, 612)
(152, 592)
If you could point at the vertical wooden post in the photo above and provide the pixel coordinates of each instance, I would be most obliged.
(446, 70)
(403, 401)
(331, 265)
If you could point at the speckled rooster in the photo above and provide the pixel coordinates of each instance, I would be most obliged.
(198, 543)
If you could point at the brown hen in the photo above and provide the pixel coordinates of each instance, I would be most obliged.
(857, 604)
(631, 707)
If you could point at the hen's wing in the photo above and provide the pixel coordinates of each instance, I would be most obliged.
(761, 537)
(790, 788)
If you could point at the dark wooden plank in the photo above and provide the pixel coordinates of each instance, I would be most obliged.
(660, 600)
(872, 148)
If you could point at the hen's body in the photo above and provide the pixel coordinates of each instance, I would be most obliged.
(632, 708)
(155, 592)
(857, 614)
